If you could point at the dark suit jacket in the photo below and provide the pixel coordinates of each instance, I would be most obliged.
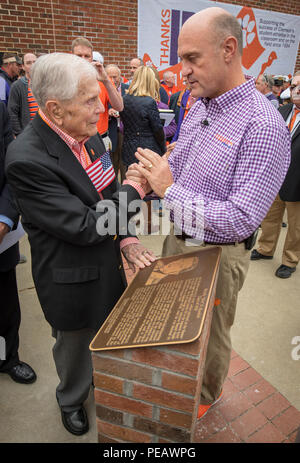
(174, 106)
(9, 258)
(113, 123)
(18, 108)
(164, 97)
(77, 272)
(290, 189)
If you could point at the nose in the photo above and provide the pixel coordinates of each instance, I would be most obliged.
(185, 69)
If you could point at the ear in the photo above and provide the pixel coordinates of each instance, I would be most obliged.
(230, 48)
(55, 112)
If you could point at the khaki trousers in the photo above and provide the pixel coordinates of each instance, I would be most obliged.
(233, 269)
(271, 227)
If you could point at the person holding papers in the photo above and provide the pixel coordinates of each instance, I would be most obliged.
(10, 316)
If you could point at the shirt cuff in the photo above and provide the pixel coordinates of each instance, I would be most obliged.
(136, 186)
(168, 193)
(127, 241)
(7, 221)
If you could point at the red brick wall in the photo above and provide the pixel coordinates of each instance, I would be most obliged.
(111, 25)
(150, 394)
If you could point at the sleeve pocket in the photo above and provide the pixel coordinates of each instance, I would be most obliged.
(75, 275)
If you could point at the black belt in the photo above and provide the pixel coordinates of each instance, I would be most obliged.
(103, 135)
(184, 237)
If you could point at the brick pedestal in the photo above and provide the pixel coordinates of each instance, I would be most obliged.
(150, 394)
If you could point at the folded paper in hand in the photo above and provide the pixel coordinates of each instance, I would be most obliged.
(12, 238)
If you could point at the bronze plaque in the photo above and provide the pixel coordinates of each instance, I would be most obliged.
(166, 303)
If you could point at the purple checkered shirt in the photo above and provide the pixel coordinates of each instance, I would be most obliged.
(234, 166)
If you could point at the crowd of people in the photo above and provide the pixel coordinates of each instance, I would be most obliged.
(81, 142)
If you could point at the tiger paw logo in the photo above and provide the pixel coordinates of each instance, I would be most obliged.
(252, 46)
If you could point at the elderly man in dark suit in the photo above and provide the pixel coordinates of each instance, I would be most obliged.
(287, 199)
(10, 316)
(76, 217)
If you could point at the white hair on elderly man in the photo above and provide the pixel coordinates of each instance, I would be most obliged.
(58, 75)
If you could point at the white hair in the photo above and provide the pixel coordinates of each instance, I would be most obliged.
(113, 66)
(167, 74)
(57, 76)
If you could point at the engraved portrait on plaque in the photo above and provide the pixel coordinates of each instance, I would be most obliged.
(165, 303)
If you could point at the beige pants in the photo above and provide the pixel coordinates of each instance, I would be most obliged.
(233, 269)
(271, 227)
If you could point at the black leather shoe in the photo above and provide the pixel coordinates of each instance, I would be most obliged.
(255, 255)
(22, 373)
(75, 422)
(284, 271)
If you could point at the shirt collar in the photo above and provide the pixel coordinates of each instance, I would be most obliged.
(233, 96)
(73, 144)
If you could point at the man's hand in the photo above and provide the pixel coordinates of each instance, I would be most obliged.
(170, 148)
(102, 75)
(113, 113)
(115, 98)
(138, 256)
(155, 169)
(3, 230)
(135, 176)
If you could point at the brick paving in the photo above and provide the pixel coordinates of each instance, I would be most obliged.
(251, 410)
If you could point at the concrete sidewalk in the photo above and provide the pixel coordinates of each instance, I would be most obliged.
(268, 319)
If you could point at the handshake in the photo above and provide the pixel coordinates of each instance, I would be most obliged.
(152, 172)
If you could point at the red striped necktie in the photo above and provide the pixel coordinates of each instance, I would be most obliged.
(292, 121)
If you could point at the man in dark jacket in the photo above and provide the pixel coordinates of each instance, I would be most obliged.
(264, 84)
(10, 316)
(288, 198)
(76, 218)
(9, 72)
(21, 104)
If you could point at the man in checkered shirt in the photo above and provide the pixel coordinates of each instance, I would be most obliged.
(230, 160)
